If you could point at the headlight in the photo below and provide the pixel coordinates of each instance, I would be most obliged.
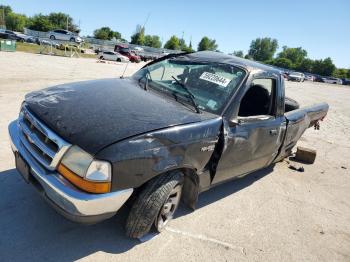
(99, 171)
(83, 171)
(77, 160)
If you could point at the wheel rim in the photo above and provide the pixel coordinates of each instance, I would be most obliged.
(168, 209)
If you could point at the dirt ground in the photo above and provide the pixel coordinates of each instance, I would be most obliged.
(272, 215)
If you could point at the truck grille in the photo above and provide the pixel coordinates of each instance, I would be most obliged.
(43, 144)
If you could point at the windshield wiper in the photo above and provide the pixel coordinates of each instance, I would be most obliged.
(190, 95)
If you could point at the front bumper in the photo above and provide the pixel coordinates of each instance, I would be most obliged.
(69, 201)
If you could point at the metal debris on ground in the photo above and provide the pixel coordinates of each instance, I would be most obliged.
(296, 168)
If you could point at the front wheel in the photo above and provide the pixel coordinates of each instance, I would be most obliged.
(155, 204)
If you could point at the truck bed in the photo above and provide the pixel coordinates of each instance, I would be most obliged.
(298, 121)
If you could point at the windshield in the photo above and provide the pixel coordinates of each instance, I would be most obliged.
(211, 84)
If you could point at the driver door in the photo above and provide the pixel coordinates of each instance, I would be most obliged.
(253, 139)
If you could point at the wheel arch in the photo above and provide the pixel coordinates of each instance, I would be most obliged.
(190, 189)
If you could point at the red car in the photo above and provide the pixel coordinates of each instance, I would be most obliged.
(125, 51)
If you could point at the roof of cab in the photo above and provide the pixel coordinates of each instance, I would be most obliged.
(217, 57)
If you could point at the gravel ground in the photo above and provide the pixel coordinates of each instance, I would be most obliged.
(272, 215)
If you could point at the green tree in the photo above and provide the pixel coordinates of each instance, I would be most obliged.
(295, 54)
(341, 73)
(138, 38)
(263, 49)
(106, 33)
(323, 67)
(52, 21)
(283, 63)
(16, 22)
(40, 22)
(207, 44)
(59, 21)
(153, 41)
(7, 9)
(173, 43)
(238, 53)
(306, 65)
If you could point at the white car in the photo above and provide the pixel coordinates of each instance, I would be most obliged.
(137, 48)
(64, 35)
(309, 77)
(332, 80)
(112, 56)
(296, 76)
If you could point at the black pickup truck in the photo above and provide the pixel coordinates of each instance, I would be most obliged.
(177, 127)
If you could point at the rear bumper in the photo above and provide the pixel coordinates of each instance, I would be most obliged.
(69, 201)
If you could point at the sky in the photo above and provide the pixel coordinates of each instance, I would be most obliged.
(321, 27)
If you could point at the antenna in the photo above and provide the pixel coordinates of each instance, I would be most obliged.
(144, 24)
(126, 66)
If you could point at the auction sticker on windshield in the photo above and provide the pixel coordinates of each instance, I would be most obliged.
(216, 79)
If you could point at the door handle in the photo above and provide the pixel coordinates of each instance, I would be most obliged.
(273, 132)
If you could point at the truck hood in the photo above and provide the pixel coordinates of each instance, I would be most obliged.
(95, 114)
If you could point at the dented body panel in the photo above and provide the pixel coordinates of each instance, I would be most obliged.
(141, 158)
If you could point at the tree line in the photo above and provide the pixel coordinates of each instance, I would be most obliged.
(261, 49)
(39, 22)
(292, 58)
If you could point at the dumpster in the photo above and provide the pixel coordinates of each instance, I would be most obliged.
(8, 45)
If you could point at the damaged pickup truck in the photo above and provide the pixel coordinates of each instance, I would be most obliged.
(179, 126)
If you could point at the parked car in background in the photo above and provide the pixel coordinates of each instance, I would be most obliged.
(125, 51)
(318, 78)
(11, 35)
(112, 56)
(137, 48)
(309, 77)
(332, 80)
(345, 81)
(64, 35)
(296, 76)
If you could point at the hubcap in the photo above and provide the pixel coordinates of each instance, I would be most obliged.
(168, 209)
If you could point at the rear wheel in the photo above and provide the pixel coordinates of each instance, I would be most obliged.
(155, 204)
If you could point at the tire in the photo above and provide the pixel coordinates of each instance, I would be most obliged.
(150, 203)
(52, 37)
